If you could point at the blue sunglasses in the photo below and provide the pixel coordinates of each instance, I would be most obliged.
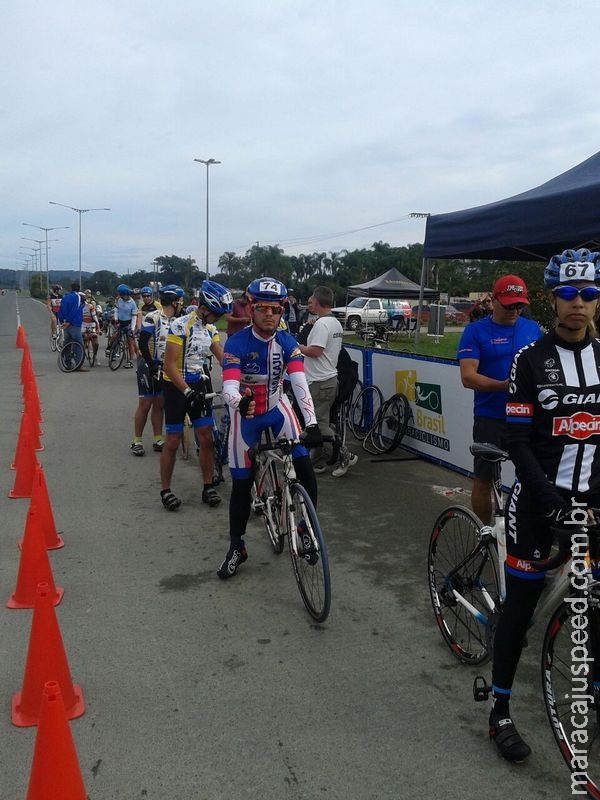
(588, 293)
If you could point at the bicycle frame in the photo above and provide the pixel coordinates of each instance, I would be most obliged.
(282, 460)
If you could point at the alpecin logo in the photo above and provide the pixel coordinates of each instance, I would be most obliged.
(519, 409)
(581, 425)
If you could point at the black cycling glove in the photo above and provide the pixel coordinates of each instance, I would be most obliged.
(245, 403)
(312, 436)
(196, 401)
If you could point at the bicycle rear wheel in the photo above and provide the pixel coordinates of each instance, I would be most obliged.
(572, 704)
(267, 503)
(458, 561)
(117, 354)
(311, 570)
(392, 423)
(70, 356)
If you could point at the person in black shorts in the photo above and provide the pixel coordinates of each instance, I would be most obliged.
(553, 429)
(485, 353)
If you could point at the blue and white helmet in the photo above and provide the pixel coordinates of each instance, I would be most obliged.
(267, 289)
(170, 293)
(122, 288)
(572, 265)
(215, 297)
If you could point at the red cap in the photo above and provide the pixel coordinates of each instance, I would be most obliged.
(510, 289)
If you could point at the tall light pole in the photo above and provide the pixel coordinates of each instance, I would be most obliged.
(79, 211)
(208, 163)
(41, 228)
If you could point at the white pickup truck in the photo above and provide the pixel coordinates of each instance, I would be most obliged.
(371, 311)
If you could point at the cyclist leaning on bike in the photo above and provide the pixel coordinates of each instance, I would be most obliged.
(125, 316)
(192, 338)
(553, 416)
(254, 363)
(53, 304)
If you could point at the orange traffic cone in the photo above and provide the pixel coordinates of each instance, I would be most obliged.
(31, 400)
(26, 424)
(20, 336)
(26, 366)
(34, 567)
(55, 771)
(46, 659)
(25, 462)
(40, 500)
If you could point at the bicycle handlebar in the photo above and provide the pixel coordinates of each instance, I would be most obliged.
(285, 445)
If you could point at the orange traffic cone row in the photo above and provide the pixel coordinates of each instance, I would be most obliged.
(46, 660)
(20, 336)
(25, 462)
(40, 500)
(34, 566)
(31, 400)
(55, 771)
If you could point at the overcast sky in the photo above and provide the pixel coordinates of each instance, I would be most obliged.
(333, 119)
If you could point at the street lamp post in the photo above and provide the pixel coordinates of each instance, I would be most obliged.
(41, 227)
(208, 164)
(79, 211)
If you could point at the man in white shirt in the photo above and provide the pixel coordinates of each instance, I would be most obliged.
(321, 354)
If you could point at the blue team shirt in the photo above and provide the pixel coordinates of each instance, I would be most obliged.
(495, 346)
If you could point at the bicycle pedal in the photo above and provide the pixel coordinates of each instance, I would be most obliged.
(481, 690)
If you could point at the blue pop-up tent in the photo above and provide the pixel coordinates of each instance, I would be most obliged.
(562, 213)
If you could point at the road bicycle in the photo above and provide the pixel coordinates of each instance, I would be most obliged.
(378, 424)
(220, 432)
(57, 339)
(288, 513)
(118, 349)
(468, 588)
(71, 356)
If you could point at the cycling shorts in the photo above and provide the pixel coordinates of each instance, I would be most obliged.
(244, 433)
(176, 407)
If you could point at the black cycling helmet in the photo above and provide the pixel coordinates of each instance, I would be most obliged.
(267, 289)
(215, 297)
(572, 265)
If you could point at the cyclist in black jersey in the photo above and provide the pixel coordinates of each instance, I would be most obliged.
(553, 421)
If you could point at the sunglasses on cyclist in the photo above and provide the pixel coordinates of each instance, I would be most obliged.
(146, 295)
(262, 308)
(588, 293)
(514, 307)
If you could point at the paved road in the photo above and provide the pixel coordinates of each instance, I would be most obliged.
(201, 690)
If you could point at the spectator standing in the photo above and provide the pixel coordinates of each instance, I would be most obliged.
(291, 313)
(482, 308)
(485, 353)
(239, 317)
(321, 353)
(70, 315)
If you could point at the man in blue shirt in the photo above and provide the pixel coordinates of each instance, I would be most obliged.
(70, 315)
(485, 353)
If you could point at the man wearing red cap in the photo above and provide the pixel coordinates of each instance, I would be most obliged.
(485, 354)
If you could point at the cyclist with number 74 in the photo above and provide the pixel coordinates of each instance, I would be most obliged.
(254, 363)
(553, 422)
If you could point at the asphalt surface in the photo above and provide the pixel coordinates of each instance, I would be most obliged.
(199, 689)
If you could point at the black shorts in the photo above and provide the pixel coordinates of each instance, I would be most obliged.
(488, 430)
(176, 409)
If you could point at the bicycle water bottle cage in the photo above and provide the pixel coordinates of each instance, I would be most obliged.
(481, 690)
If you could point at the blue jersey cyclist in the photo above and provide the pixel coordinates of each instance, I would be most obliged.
(254, 363)
(192, 338)
(125, 317)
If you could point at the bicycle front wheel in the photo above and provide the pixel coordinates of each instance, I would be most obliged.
(71, 356)
(462, 568)
(267, 503)
(311, 568)
(572, 704)
(117, 354)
